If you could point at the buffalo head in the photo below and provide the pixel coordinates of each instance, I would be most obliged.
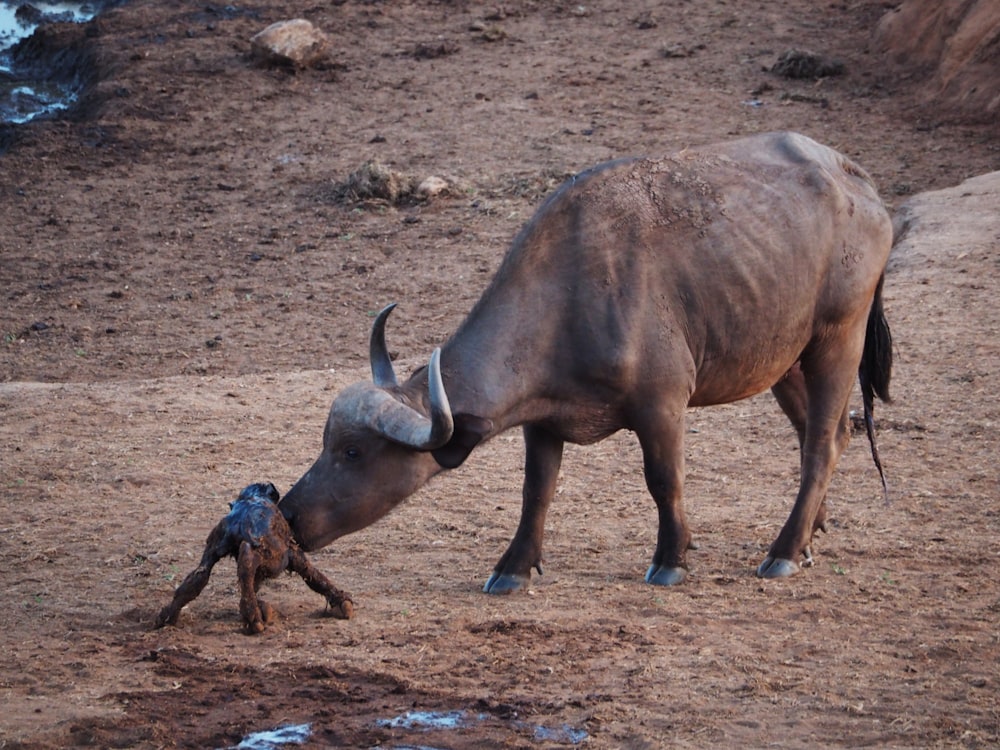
(377, 449)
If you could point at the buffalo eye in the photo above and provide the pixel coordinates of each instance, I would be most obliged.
(352, 453)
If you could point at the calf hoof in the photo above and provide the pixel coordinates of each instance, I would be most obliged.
(256, 622)
(166, 617)
(777, 567)
(661, 576)
(506, 583)
(342, 610)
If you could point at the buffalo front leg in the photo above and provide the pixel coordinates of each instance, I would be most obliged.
(827, 386)
(339, 601)
(542, 458)
(661, 438)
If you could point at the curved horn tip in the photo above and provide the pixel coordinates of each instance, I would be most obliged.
(407, 426)
(434, 373)
(441, 417)
(382, 371)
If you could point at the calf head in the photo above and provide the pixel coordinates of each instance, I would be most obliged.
(377, 449)
(260, 490)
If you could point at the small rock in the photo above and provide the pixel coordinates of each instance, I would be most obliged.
(645, 21)
(296, 42)
(375, 181)
(493, 34)
(432, 186)
(433, 50)
(675, 49)
(29, 15)
(797, 63)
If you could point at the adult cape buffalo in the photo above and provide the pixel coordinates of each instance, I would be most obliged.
(640, 288)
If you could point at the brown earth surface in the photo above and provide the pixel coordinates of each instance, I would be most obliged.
(183, 293)
(952, 47)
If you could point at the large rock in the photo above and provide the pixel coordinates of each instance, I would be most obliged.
(941, 227)
(951, 45)
(296, 42)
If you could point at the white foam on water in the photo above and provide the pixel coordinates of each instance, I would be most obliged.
(22, 100)
(431, 720)
(563, 734)
(456, 719)
(270, 739)
(12, 30)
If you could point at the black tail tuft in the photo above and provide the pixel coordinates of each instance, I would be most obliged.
(875, 372)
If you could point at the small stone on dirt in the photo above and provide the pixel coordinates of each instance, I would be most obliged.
(296, 42)
(432, 186)
(797, 63)
(645, 21)
(375, 181)
(425, 51)
(676, 50)
(493, 34)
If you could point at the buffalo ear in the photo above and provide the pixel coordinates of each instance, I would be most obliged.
(469, 432)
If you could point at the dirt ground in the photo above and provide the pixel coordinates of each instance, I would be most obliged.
(183, 293)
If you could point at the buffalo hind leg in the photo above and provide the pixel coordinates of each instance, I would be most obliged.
(790, 393)
(661, 437)
(542, 458)
(339, 602)
(827, 381)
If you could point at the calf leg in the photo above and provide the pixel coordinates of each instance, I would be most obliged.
(194, 582)
(340, 602)
(542, 458)
(660, 434)
(256, 614)
(828, 377)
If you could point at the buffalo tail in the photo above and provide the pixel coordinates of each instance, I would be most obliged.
(875, 372)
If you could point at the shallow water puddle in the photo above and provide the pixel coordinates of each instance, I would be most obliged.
(18, 20)
(431, 720)
(564, 734)
(23, 96)
(458, 719)
(271, 739)
(424, 721)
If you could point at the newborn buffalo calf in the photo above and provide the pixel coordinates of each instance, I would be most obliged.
(257, 535)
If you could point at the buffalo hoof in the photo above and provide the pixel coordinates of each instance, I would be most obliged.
(660, 576)
(777, 567)
(506, 583)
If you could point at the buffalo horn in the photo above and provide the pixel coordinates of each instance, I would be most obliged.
(382, 371)
(406, 426)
